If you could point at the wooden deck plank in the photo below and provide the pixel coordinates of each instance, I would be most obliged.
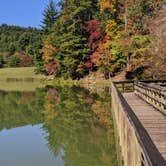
(153, 121)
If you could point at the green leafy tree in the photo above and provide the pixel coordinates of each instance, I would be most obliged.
(18, 40)
(1, 60)
(13, 61)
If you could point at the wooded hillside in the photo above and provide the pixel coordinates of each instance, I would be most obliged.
(107, 36)
(157, 61)
(79, 37)
(18, 45)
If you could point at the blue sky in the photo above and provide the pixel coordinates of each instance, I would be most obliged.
(22, 12)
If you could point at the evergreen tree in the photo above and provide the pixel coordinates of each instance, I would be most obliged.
(50, 15)
(75, 15)
(66, 44)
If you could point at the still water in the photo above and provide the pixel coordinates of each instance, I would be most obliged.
(60, 126)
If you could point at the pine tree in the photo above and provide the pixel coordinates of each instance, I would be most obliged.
(75, 16)
(50, 15)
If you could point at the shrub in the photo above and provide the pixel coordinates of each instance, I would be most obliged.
(14, 61)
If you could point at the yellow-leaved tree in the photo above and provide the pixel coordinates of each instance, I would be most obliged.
(48, 51)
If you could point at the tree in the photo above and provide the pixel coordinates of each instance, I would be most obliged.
(50, 15)
(1, 61)
(96, 35)
(52, 68)
(13, 61)
(75, 15)
(15, 40)
(39, 64)
(66, 44)
(24, 60)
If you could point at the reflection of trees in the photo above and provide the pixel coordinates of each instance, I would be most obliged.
(72, 127)
(20, 109)
(76, 121)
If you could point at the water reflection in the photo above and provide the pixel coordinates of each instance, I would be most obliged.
(59, 126)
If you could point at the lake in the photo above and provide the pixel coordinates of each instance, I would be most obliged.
(56, 126)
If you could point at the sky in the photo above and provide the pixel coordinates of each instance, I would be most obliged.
(23, 13)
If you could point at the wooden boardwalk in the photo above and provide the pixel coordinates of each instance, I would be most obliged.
(153, 121)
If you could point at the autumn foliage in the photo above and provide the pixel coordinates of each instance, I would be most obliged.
(107, 35)
(25, 60)
(52, 68)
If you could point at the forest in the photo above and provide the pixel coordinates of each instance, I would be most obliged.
(18, 45)
(78, 37)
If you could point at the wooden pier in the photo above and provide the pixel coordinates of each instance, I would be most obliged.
(139, 110)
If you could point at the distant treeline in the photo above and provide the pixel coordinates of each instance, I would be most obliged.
(18, 45)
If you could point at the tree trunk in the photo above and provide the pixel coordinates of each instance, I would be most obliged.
(125, 17)
(128, 62)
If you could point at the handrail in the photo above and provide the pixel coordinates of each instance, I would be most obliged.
(145, 81)
(153, 94)
(126, 85)
(153, 81)
(150, 152)
(124, 82)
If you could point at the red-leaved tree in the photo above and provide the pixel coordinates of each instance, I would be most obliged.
(52, 68)
(96, 34)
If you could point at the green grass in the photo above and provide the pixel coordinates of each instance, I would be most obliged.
(20, 73)
(20, 79)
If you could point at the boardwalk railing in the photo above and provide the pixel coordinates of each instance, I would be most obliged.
(137, 148)
(153, 94)
(125, 86)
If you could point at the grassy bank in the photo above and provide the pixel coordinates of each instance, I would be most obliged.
(19, 73)
(24, 78)
(20, 79)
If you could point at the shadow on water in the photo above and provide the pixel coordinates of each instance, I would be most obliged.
(74, 123)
